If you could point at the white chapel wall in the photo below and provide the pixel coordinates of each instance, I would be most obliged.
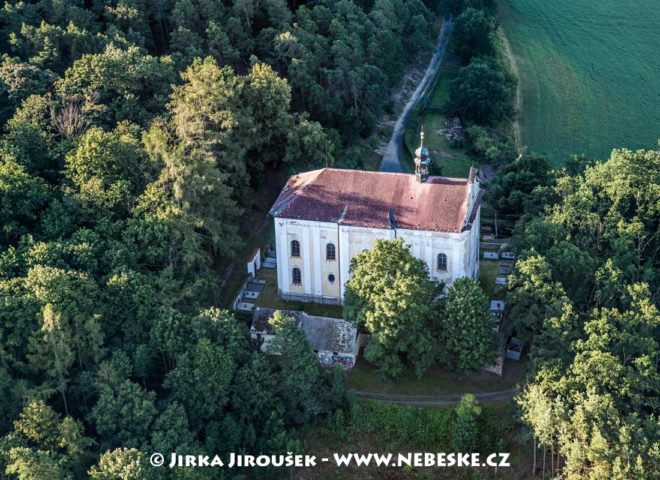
(316, 270)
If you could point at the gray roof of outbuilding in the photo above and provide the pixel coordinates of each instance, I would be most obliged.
(329, 334)
(323, 333)
(261, 319)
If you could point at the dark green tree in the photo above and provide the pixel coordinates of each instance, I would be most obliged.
(124, 414)
(467, 333)
(474, 34)
(21, 197)
(42, 445)
(512, 190)
(593, 415)
(200, 381)
(482, 92)
(303, 384)
(465, 426)
(118, 84)
(108, 171)
(533, 297)
(390, 294)
(24, 79)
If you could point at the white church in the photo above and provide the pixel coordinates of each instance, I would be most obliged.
(324, 218)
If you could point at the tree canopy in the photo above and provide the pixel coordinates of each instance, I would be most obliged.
(467, 337)
(138, 142)
(482, 92)
(585, 294)
(474, 33)
(390, 294)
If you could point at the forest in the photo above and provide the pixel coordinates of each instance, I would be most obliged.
(584, 296)
(134, 136)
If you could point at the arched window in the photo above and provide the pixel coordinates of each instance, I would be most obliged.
(442, 262)
(330, 252)
(297, 277)
(295, 248)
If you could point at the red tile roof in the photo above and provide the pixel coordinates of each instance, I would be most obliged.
(375, 199)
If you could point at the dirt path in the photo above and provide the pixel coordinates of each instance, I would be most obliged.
(517, 129)
(434, 400)
(393, 158)
(226, 274)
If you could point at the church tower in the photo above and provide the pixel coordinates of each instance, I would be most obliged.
(422, 160)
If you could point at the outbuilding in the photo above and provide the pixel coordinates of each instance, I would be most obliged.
(333, 340)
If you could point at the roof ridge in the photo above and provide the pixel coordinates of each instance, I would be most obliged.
(465, 205)
(308, 179)
(378, 172)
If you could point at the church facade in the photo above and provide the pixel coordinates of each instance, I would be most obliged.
(324, 218)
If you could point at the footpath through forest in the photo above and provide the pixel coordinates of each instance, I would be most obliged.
(393, 160)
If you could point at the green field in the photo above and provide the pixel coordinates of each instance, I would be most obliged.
(590, 74)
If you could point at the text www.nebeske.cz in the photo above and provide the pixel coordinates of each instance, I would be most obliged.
(417, 459)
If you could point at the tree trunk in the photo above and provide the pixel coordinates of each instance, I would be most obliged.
(558, 461)
(60, 373)
(552, 459)
(543, 474)
(534, 467)
(66, 404)
(80, 364)
(84, 395)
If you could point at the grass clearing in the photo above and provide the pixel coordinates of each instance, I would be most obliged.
(268, 298)
(257, 231)
(238, 273)
(436, 380)
(588, 72)
(487, 274)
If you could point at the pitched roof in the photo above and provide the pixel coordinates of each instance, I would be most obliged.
(261, 319)
(327, 334)
(323, 333)
(375, 199)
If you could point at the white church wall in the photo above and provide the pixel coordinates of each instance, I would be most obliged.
(461, 250)
(427, 245)
(281, 250)
(473, 256)
(328, 234)
(315, 270)
(472, 252)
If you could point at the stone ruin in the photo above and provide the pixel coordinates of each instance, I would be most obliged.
(453, 132)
